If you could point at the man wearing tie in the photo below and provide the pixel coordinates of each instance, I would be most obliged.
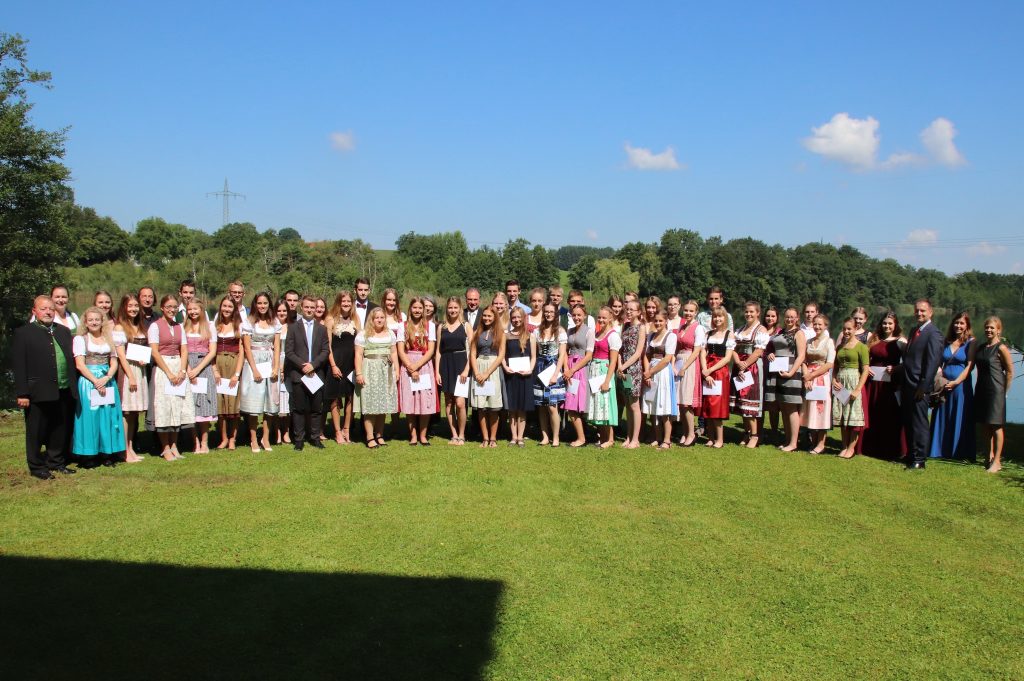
(44, 380)
(363, 304)
(920, 362)
(305, 351)
(472, 312)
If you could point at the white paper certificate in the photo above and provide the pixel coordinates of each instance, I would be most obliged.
(224, 387)
(818, 393)
(176, 390)
(714, 389)
(596, 382)
(485, 390)
(138, 353)
(743, 380)
(574, 386)
(313, 382)
(843, 395)
(264, 369)
(351, 377)
(199, 387)
(518, 364)
(545, 376)
(97, 400)
(425, 383)
(284, 386)
(461, 387)
(880, 374)
(779, 364)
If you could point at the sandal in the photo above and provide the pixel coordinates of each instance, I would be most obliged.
(665, 445)
(371, 443)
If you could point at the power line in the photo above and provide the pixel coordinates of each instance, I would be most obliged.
(228, 195)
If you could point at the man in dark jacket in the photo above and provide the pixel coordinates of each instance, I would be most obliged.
(920, 363)
(305, 354)
(45, 381)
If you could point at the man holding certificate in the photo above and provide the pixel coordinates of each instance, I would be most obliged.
(305, 350)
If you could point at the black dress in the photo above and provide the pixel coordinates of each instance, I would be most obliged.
(518, 388)
(344, 352)
(990, 391)
(453, 356)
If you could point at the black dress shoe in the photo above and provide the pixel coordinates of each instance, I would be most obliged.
(317, 444)
(298, 446)
(915, 466)
(43, 475)
(64, 470)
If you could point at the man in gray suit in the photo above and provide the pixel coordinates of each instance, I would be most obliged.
(305, 353)
(920, 363)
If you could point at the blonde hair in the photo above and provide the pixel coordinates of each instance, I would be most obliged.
(204, 326)
(83, 329)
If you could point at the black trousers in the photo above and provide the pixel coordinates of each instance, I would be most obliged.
(915, 422)
(304, 404)
(48, 424)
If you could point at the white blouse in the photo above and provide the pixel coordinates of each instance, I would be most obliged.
(80, 346)
(153, 333)
(563, 337)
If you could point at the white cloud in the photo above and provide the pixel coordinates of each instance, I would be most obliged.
(1017, 268)
(937, 138)
(853, 141)
(922, 237)
(644, 159)
(343, 141)
(985, 248)
(591, 234)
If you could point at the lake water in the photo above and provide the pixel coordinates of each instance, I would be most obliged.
(1015, 400)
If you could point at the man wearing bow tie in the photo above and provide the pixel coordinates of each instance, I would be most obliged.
(920, 362)
(363, 304)
(305, 352)
(44, 384)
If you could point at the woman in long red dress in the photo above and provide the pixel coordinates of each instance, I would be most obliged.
(719, 352)
(883, 434)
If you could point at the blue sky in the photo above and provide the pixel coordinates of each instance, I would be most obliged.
(891, 126)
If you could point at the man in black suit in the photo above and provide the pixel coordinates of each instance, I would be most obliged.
(471, 313)
(305, 354)
(44, 383)
(362, 302)
(920, 362)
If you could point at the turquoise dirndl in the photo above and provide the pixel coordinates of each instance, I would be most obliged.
(98, 430)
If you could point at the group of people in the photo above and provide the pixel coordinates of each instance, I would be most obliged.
(653, 372)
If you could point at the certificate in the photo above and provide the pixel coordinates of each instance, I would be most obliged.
(264, 369)
(779, 364)
(680, 363)
(97, 400)
(461, 387)
(596, 382)
(351, 377)
(545, 376)
(714, 389)
(425, 383)
(176, 390)
(843, 395)
(138, 353)
(817, 393)
(743, 380)
(199, 387)
(880, 374)
(313, 382)
(484, 390)
(574, 386)
(224, 387)
(519, 364)
(283, 386)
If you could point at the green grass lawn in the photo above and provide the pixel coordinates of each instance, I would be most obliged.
(535, 563)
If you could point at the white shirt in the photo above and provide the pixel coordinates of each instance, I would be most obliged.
(361, 312)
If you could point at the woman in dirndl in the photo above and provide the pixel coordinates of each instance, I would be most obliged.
(751, 341)
(170, 413)
(415, 355)
(690, 364)
(580, 347)
(547, 397)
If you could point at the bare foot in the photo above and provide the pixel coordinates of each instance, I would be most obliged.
(606, 445)
(994, 468)
(787, 448)
(752, 442)
(577, 443)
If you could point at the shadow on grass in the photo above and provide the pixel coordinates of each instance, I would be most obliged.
(93, 619)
